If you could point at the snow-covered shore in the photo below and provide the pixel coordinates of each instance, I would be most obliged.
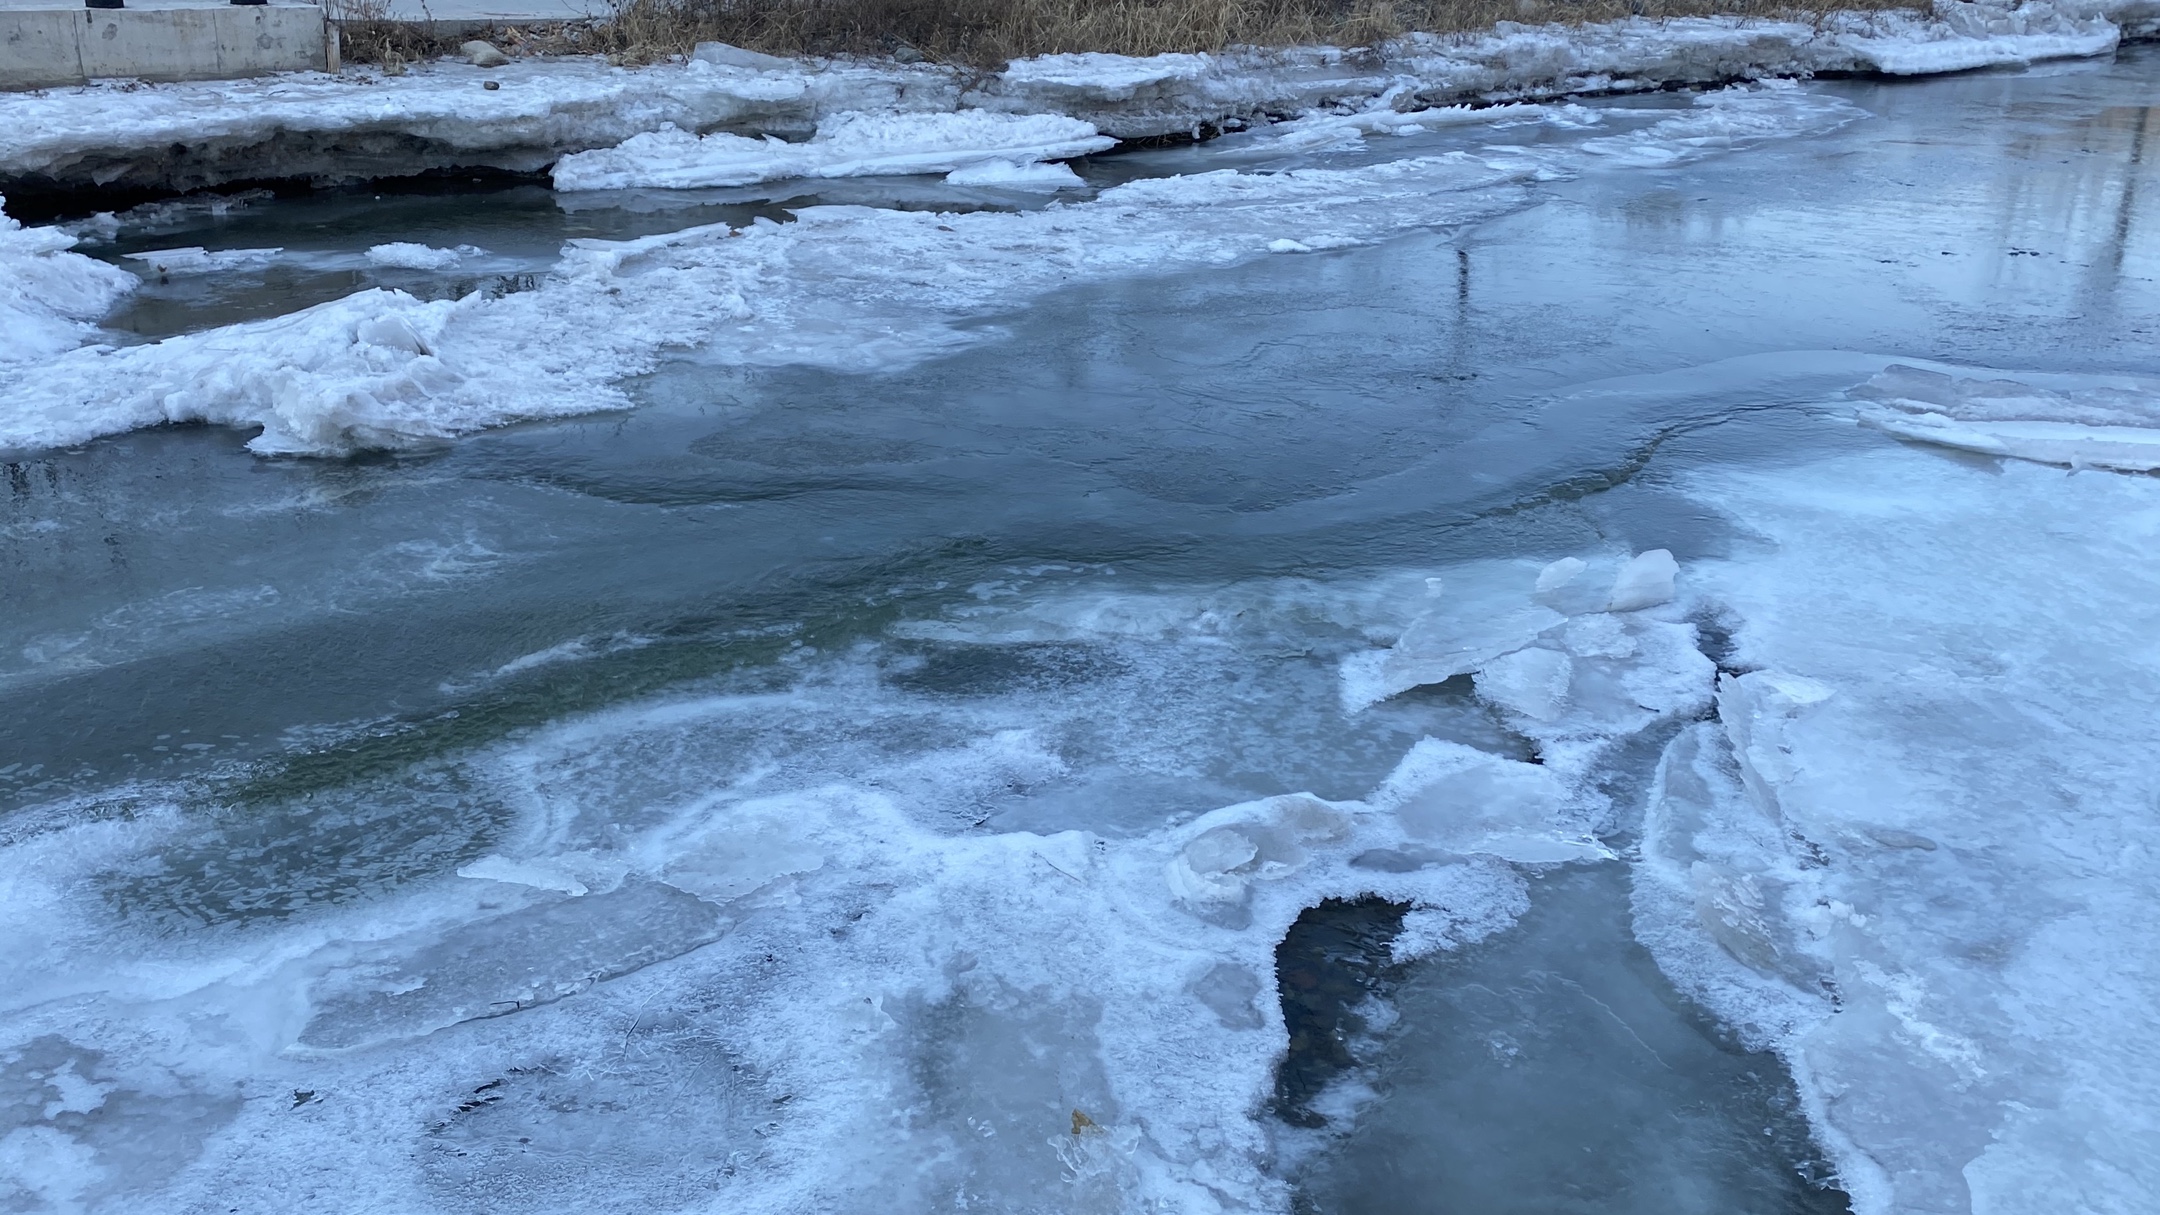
(359, 124)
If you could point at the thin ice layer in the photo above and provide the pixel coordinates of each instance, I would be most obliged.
(50, 297)
(1909, 850)
(846, 145)
(2113, 423)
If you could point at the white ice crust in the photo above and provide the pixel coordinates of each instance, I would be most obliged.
(846, 145)
(50, 297)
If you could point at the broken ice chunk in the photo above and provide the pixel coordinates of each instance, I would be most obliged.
(1645, 581)
(1239, 844)
(1559, 574)
(1468, 801)
(1532, 682)
(1758, 710)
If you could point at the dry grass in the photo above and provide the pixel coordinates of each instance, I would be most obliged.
(986, 33)
(369, 35)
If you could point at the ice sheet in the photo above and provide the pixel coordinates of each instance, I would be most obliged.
(1906, 853)
(846, 145)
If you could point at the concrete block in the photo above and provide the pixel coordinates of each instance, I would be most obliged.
(152, 44)
(40, 48)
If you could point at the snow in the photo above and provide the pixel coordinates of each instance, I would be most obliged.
(409, 255)
(188, 136)
(846, 145)
(49, 297)
(1911, 851)
(192, 135)
(2112, 424)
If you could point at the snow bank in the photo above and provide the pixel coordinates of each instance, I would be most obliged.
(188, 136)
(49, 297)
(1910, 850)
(846, 145)
(2103, 424)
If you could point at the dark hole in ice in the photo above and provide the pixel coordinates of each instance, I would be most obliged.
(1334, 958)
(1549, 1069)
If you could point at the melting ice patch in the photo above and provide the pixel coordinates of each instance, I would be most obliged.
(2112, 425)
(50, 297)
(846, 145)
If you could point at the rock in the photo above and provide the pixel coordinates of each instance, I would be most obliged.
(483, 54)
(490, 85)
(723, 55)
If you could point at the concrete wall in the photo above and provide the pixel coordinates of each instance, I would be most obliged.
(41, 48)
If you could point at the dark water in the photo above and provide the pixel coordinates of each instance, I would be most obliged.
(305, 658)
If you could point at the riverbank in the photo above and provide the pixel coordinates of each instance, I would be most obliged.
(110, 144)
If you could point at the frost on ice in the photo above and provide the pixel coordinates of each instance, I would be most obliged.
(846, 145)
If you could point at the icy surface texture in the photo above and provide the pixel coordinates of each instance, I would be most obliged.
(2112, 424)
(187, 136)
(49, 297)
(1908, 851)
(895, 1014)
(846, 145)
(850, 287)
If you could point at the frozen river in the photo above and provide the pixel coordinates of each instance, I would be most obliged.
(804, 790)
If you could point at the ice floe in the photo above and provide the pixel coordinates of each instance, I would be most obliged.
(410, 255)
(845, 145)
